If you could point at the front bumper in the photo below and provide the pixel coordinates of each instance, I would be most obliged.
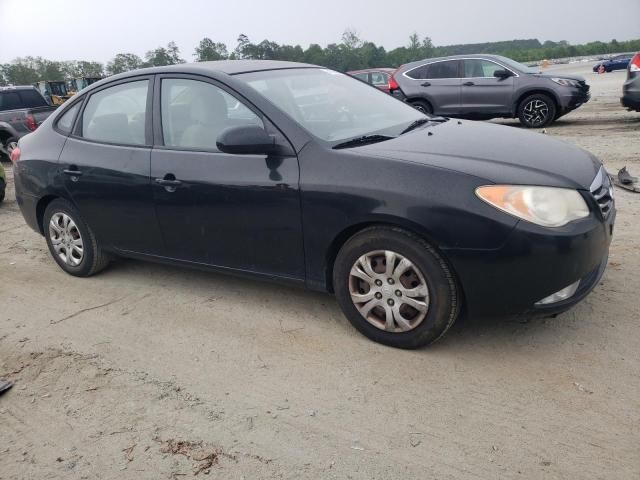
(573, 99)
(534, 263)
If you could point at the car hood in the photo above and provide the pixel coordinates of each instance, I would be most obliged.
(561, 75)
(495, 153)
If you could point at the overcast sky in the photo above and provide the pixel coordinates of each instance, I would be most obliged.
(98, 29)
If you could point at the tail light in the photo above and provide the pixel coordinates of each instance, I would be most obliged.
(393, 85)
(634, 66)
(30, 122)
(15, 155)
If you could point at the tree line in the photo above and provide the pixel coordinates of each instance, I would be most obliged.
(351, 53)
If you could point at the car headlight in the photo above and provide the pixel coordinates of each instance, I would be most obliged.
(545, 206)
(566, 82)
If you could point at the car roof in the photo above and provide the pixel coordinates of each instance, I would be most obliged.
(451, 57)
(366, 70)
(17, 87)
(230, 67)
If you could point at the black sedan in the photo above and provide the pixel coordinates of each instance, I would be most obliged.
(300, 174)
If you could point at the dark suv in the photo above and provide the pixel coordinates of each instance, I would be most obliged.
(631, 88)
(489, 86)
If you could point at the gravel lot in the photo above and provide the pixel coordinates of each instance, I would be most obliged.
(149, 372)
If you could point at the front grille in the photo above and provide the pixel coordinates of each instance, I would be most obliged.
(602, 191)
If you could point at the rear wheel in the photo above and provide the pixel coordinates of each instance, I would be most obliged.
(71, 242)
(395, 288)
(10, 143)
(536, 111)
(421, 106)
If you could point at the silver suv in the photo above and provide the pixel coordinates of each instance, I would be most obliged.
(488, 86)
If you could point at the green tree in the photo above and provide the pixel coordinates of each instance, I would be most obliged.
(161, 56)
(124, 62)
(243, 48)
(208, 50)
(21, 71)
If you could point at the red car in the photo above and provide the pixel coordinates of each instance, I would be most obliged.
(378, 77)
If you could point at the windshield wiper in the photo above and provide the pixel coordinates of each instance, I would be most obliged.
(364, 140)
(422, 121)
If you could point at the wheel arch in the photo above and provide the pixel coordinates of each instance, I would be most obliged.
(343, 236)
(420, 99)
(533, 91)
(41, 206)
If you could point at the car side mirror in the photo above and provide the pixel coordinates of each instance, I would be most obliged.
(246, 140)
(502, 73)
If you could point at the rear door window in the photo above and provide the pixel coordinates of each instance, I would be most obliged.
(9, 100)
(445, 69)
(65, 123)
(379, 78)
(32, 99)
(117, 114)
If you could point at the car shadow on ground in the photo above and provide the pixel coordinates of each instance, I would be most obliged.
(467, 332)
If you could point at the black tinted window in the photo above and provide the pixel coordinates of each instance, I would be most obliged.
(446, 69)
(9, 100)
(31, 99)
(65, 123)
(117, 114)
(418, 73)
(443, 70)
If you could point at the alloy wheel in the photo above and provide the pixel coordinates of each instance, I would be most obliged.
(536, 112)
(389, 291)
(66, 239)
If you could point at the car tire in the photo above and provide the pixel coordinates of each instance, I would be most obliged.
(71, 241)
(422, 106)
(536, 111)
(392, 318)
(3, 189)
(10, 144)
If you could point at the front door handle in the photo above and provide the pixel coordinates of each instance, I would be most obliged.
(425, 84)
(73, 172)
(169, 182)
(468, 84)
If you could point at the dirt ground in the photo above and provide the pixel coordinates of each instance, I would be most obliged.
(151, 372)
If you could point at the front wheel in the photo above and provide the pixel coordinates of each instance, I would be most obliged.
(422, 106)
(71, 242)
(395, 288)
(536, 111)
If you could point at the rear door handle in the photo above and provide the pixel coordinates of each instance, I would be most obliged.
(468, 84)
(425, 84)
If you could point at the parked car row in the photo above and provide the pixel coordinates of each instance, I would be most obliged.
(486, 86)
(300, 174)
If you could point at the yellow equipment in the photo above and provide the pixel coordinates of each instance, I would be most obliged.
(74, 85)
(54, 92)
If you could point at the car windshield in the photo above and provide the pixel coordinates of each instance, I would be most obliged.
(330, 105)
(516, 65)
